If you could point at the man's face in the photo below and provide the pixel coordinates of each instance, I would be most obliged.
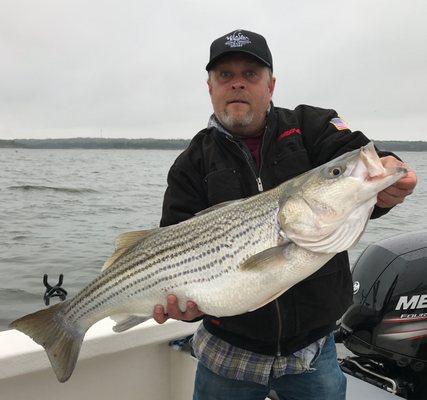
(241, 90)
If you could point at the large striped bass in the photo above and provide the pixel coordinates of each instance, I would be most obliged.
(229, 259)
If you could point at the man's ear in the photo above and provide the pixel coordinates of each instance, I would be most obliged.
(209, 85)
(272, 85)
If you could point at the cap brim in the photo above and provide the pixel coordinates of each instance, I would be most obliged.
(215, 59)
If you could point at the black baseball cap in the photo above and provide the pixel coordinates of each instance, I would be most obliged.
(241, 41)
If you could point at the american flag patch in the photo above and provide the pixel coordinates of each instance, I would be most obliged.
(339, 123)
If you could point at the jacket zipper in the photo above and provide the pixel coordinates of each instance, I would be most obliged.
(250, 162)
(279, 330)
(248, 158)
(260, 161)
(279, 316)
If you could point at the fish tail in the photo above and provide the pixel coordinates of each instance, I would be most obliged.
(60, 338)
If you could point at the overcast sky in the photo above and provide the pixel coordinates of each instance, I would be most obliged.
(136, 68)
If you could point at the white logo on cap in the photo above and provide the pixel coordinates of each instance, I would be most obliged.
(237, 39)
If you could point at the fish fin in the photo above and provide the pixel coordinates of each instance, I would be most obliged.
(129, 239)
(116, 255)
(127, 321)
(60, 338)
(218, 206)
(269, 300)
(266, 259)
(124, 242)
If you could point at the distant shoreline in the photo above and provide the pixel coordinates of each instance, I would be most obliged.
(96, 143)
(160, 144)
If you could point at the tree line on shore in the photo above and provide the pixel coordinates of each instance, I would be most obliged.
(171, 144)
(96, 143)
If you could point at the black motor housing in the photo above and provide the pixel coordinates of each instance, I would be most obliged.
(388, 320)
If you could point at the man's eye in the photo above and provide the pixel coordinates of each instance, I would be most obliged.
(225, 74)
(250, 74)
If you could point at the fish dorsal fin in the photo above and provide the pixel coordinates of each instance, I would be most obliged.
(218, 206)
(116, 255)
(124, 242)
(129, 239)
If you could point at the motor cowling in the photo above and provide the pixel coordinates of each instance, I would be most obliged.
(388, 319)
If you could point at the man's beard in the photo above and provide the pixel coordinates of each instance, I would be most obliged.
(231, 123)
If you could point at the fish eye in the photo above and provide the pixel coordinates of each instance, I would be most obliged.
(335, 171)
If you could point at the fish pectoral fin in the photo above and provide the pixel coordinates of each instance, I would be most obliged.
(127, 321)
(218, 206)
(124, 242)
(270, 258)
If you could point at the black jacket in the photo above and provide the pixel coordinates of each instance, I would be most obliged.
(217, 167)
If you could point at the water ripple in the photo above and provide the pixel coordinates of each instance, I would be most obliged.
(55, 189)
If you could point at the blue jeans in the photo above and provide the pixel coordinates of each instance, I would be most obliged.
(325, 382)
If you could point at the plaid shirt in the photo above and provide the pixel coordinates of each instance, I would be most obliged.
(236, 363)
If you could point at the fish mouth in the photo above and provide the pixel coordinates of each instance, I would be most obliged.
(368, 165)
(372, 161)
(370, 169)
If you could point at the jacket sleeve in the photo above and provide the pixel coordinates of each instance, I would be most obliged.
(185, 194)
(324, 141)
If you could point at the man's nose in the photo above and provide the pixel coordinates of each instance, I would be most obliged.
(238, 84)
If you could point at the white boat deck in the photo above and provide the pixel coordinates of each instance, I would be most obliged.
(136, 364)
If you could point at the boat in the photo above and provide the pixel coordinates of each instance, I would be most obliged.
(137, 364)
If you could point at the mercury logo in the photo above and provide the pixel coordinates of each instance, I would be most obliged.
(237, 39)
(413, 302)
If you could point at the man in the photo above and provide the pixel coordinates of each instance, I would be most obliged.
(250, 146)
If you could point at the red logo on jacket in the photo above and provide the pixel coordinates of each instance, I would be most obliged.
(215, 322)
(289, 132)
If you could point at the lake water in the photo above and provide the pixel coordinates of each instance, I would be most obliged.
(60, 211)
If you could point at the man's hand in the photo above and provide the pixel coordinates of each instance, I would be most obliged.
(174, 312)
(396, 193)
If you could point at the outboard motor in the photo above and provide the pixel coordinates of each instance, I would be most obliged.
(386, 327)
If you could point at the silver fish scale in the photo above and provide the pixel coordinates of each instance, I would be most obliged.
(195, 252)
